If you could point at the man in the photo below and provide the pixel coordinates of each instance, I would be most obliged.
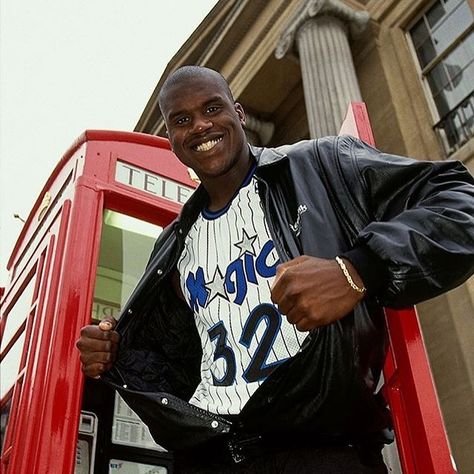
(255, 339)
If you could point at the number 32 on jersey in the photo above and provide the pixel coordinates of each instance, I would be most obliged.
(258, 369)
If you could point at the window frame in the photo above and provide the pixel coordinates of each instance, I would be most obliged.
(423, 73)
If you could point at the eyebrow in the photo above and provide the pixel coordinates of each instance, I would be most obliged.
(213, 99)
(217, 98)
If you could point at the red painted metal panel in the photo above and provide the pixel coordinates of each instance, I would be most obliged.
(31, 398)
(421, 436)
(16, 392)
(47, 399)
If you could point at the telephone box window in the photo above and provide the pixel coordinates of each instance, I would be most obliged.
(4, 415)
(125, 247)
(18, 314)
(11, 365)
(443, 39)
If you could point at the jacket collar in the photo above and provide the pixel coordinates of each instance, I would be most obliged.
(190, 211)
(266, 156)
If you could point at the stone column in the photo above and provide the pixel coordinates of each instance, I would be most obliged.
(319, 35)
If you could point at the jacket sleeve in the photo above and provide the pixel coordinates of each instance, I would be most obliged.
(420, 218)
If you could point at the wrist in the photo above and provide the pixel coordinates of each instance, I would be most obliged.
(351, 275)
(369, 266)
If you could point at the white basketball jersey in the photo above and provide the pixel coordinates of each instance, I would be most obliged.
(227, 269)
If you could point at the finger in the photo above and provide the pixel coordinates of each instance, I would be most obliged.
(293, 316)
(105, 344)
(90, 358)
(288, 266)
(107, 324)
(284, 290)
(286, 305)
(93, 331)
(279, 273)
(305, 324)
(283, 267)
(301, 322)
(94, 370)
(107, 335)
(293, 262)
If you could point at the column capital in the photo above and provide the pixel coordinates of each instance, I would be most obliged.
(356, 19)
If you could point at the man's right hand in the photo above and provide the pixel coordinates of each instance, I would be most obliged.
(98, 346)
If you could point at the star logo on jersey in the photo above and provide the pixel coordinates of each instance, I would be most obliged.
(233, 284)
(216, 286)
(246, 245)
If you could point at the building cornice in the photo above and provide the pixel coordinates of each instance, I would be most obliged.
(357, 21)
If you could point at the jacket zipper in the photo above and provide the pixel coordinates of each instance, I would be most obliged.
(282, 254)
(264, 196)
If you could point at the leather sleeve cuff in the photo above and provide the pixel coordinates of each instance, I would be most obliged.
(370, 267)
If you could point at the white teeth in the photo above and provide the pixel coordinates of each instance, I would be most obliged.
(206, 146)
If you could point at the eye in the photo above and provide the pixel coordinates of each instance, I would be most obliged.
(212, 109)
(181, 120)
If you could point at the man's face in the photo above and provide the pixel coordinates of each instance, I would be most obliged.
(204, 126)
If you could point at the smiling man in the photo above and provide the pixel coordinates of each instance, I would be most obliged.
(205, 128)
(255, 339)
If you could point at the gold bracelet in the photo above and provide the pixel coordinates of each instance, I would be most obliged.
(348, 276)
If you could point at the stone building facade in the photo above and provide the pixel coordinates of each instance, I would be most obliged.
(296, 64)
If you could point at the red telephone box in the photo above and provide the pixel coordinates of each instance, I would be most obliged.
(81, 251)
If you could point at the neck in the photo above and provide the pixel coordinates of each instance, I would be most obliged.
(221, 189)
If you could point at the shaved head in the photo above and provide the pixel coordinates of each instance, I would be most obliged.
(205, 127)
(186, 73)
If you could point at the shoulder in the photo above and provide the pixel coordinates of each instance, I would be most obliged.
(329, 144)
(308, 146)
(323, 150)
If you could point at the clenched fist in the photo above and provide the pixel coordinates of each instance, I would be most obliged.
(313, 292)
(98, 346)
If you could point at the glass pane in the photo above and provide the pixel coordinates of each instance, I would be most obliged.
(125, 247)
(453, 79)
(442, 103)
(435, 14)
(419, 33)
(5, 414)
(461, 61)
(10, 365)
(452, 25)
(438, 79)
(452, 4)
(440, 26)
(426, 52)
(18, 313)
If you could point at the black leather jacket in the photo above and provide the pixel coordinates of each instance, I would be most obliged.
(407, 226)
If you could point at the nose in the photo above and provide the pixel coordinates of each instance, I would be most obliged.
(201, 124)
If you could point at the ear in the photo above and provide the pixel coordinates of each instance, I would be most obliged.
(240, 112)
(168, 137)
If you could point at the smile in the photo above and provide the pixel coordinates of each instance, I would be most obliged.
(206, 146)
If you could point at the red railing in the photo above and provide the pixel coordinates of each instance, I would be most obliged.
(421, 437)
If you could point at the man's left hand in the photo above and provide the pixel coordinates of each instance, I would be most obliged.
(313, 292)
